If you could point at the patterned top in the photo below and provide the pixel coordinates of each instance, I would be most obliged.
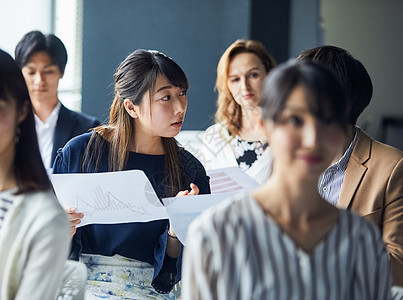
(235, 251)
(5, 203)
(219, 152)
(246, 153)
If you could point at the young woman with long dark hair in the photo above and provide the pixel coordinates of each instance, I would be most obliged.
(136, 260)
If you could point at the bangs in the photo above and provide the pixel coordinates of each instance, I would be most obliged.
(13, 88)
(4, 82)
(173, 72)
(3, 93)
(12, 82)
(325, 101)
(324, 95)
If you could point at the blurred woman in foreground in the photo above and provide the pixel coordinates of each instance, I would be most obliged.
(284, 241)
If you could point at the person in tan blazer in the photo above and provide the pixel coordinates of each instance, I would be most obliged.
(371, 181)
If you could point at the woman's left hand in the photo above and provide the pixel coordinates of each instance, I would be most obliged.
(194, 191)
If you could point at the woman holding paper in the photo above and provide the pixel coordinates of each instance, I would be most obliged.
(237, 139)
(284, 241)
(136, 260)
(34, 229)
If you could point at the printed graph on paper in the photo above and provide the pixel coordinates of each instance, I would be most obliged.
(110, 197)
(106, 201)
(232, 179)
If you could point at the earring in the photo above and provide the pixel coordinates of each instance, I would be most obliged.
(17, 135)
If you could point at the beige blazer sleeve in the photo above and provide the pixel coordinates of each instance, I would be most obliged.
(373, 187)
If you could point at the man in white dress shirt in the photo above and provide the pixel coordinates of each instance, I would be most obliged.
(43, 59)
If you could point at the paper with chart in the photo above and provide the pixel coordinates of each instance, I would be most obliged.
(231, 179)
(128, 196)
(111, 197)
(224, 184)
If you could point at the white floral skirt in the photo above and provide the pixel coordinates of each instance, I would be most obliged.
(117, 277)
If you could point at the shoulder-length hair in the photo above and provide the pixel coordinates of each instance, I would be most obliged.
(229, 112)
(135, 76)
(324, 94)
(28, 166)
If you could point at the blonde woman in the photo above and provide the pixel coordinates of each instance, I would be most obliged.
(237, 138)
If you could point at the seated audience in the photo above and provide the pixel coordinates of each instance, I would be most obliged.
(43, 59)
(237, 139)
(283, 240)
(34, 229)
(139, 260)
(368, 176)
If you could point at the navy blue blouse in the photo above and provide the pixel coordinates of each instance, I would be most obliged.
(144, 241)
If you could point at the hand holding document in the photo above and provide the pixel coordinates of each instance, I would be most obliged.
(111, 197)
(128, 196)
(183, 210)
(224, 183)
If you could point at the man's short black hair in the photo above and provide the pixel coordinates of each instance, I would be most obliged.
(34, 42)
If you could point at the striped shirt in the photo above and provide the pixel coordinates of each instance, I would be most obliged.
(330, 182)
(5, 204)
(235, 251)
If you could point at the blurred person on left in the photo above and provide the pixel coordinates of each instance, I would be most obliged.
(34, 230)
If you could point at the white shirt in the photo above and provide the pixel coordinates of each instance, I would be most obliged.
(45, 132)
(235, 251)
(6, 203)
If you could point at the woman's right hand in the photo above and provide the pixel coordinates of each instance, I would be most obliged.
(74, 218)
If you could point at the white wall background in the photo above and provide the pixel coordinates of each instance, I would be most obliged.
(372, 30)
(20, 16)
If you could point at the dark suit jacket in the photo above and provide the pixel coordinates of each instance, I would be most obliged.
(373, 187)
(70, 124)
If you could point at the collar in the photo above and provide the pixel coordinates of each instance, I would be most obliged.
(52, 119)
(342, 163)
